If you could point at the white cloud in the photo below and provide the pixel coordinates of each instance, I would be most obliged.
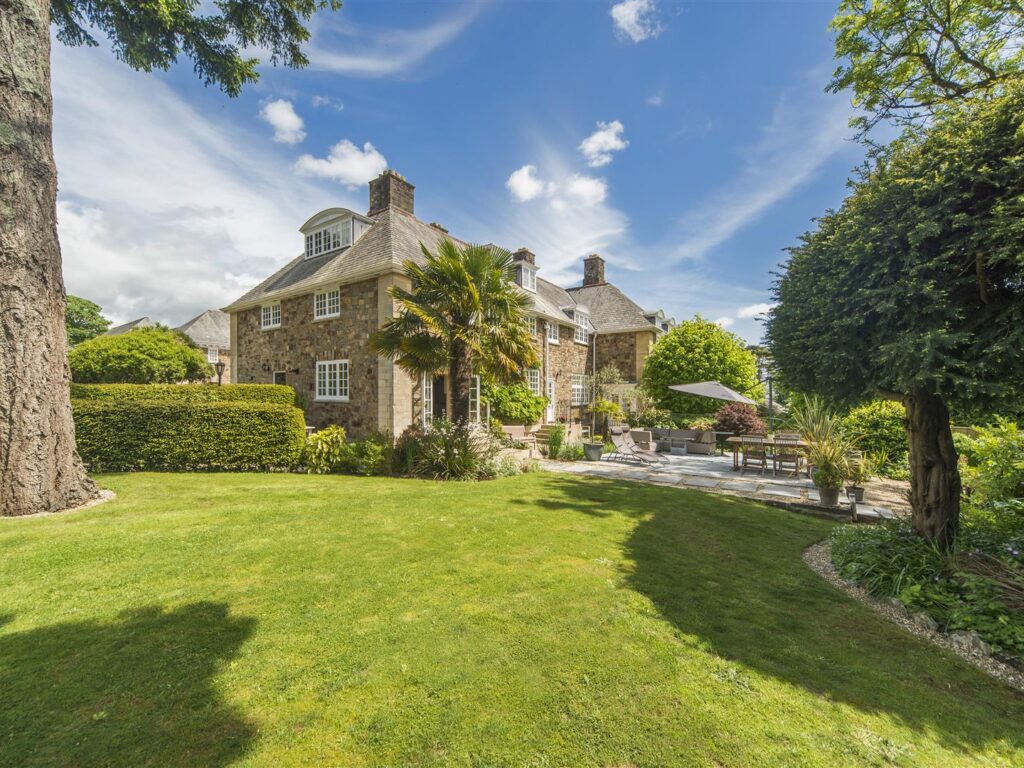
(725, 322)
(808, 128)
(166, 211)
(586, 189)
(343, 47)
(571, 191)
(656, 100)
(525, 185)
(754, 310)
(597, 148)
(288, 126)
(345, 163)
(635, 19)
(327, 101)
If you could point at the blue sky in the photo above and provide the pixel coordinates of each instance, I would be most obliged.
(688, 143)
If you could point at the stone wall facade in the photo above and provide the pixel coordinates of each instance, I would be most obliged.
(559, 362)
(295, 347)
(626, 351)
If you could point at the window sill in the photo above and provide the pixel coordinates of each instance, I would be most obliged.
(270, 327)
(326, 317)
(330, 399)
(554, 343)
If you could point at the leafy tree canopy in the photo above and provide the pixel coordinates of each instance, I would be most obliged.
(142, 356)
(917, 281)
(216, 36)
(907, 59)
(698, 350)
(83, 320)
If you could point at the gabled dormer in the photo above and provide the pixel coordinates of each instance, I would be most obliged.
(332, 230)
(526, 270)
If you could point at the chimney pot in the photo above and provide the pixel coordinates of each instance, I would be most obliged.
(390, 190)
(593, 270)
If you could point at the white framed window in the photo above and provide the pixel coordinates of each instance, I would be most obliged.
(330, 238)
(327, 304)
(533, 380)
(474, 401)
(552, 331)
(580, 332)
(212, 354)
(270, 316)
(332, 380)
(528, 278)
(428, 400)
(579, 387)
(531, 323)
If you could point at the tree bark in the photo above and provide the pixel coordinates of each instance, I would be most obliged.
(40, 470)
(460, 367)
(934, 474)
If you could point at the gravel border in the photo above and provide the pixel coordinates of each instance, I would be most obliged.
(819, 558)
(103, 496)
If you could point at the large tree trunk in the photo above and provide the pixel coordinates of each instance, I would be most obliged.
(460, 367)
(39, 468)
(934, 475)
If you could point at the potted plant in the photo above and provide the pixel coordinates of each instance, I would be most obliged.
(605, 412)
(829, 457)
(861, 470)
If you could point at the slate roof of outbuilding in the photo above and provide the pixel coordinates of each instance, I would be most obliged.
(210, 329)
(139, 322)
(394, 238)
(611, 311)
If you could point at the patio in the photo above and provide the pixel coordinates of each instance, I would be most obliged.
(715, 474)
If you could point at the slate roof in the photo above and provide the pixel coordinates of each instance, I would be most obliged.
(611, 311)
(210, 329)
(139, 322)
(394, 238)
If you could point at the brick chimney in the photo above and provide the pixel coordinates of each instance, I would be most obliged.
(390, 190)
(525, 254)
(593, 270)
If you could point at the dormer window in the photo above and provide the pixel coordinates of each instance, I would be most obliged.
(329, 238)
(582, 321)
(528, 278)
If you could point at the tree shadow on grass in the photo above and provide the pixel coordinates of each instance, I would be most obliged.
(729, 572)
(137, 691)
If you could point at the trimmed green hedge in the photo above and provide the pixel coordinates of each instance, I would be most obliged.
(121, 435)
(196, 393)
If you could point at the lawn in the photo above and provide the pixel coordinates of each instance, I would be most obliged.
(544, 620)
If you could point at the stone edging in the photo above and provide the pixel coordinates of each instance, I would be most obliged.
(819, 559)
(103, 496)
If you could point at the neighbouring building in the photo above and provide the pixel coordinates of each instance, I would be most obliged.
(211, 332)
(309, 324)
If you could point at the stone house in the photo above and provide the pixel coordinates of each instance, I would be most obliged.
(309, 324)
(211, 332)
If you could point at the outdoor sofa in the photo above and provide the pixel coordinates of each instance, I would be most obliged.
(697, 441)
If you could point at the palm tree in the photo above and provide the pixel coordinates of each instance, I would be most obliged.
(463, 315)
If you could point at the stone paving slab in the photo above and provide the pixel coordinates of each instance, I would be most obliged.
(717, 476)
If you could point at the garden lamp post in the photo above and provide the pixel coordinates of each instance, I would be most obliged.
(219, 365)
